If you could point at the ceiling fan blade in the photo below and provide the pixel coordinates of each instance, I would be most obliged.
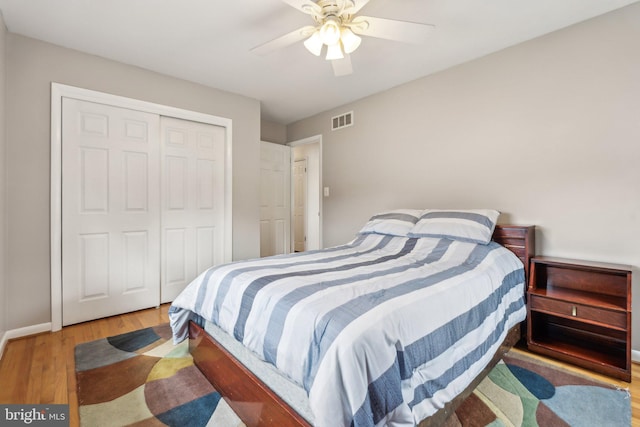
(391, 29)
(305, 6)
(342, 67)
(357, 5)
(284, 41)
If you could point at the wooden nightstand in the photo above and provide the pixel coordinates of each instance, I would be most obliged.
(580, 312)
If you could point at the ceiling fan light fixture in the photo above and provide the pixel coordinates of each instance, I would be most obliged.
(334, 51)
(314, 44)
(350, 41)
(330, 31)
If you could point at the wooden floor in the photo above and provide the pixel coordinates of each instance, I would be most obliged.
(40, 369)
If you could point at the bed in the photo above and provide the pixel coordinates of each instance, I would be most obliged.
(393, 328)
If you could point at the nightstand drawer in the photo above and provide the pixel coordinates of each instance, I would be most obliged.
(579, 311)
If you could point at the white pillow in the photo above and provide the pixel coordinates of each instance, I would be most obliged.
(397, 222)
(472, 225)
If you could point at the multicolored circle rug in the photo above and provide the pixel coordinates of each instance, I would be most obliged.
(523, 392)
(142, 379)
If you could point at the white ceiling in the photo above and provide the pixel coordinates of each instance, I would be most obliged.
(209, 41)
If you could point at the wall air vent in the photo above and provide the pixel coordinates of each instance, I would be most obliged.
(342, 121)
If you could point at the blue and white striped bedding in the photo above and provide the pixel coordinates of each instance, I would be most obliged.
(383, 330)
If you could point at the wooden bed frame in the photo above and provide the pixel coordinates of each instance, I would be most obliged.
(257, 405)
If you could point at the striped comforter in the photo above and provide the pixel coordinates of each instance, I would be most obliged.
(381, 331)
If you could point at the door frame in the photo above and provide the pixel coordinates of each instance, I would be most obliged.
(58, 91)
(316, 139)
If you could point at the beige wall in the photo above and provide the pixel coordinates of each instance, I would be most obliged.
(273, 132)
(548, 132)
(3, 183)
(31, 67)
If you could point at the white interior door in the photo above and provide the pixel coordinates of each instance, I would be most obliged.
(299, 205)
(110, 211)
(310, 150)
(193, 186)
(275, 199)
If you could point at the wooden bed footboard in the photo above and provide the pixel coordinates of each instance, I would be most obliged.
(254, 402)
(258, 406)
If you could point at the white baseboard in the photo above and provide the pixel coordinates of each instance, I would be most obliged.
(635, 356)
(22, 332)
(3, 343)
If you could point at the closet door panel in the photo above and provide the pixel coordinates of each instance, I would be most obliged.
(110, 210)
(192, 188)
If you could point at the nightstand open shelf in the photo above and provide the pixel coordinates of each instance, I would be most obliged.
(574, 341)
(580, 312)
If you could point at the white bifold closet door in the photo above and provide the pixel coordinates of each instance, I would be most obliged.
(110, 211)
(192, 201)
(142, 207)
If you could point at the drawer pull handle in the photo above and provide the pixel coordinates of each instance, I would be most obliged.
(574, 311)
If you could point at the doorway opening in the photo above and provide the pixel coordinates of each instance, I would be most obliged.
(306, 194)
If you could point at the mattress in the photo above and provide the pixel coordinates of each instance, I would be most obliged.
(382, 330)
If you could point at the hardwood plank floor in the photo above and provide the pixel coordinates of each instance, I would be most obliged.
(40, 369)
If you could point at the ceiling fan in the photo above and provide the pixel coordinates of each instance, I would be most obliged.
(338, 28)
